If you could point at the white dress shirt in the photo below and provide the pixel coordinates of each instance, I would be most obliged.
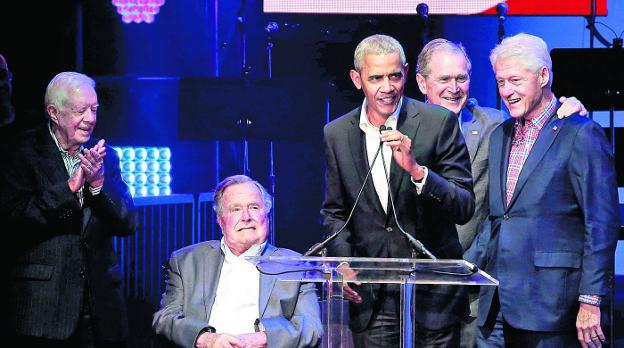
(372, 143)
(236, 305)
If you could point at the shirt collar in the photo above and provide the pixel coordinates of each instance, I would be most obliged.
(64, 152)
(390, 122)
(254, 250)
(539, 121)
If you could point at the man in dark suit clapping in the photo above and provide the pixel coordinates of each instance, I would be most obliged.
(63, 200)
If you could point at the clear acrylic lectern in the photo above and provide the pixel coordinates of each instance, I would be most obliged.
(331, 272)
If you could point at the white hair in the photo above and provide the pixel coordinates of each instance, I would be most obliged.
(528, 50)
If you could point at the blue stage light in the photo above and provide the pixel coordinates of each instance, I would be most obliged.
(146, 170)
(153, 153)
(164, 166)
(140, 153)
(153, 166)
(128, 178)
(127, 166)
(127, 153)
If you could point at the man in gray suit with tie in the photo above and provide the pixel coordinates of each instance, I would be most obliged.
(214, 297)
(443, 76)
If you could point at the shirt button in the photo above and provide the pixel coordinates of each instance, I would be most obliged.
(389, 229)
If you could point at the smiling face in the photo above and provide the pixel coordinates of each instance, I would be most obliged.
(382, 79)
(73, 122)
(447, 82)
(524, 92)
(244, 218)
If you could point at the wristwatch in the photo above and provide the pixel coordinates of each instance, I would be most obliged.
(258, 327)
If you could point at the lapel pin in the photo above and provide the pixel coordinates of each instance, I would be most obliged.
(555, 128)
(475, 132)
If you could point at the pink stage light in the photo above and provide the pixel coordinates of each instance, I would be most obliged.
(138, 11)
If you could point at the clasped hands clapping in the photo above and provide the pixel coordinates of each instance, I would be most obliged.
(91, 168)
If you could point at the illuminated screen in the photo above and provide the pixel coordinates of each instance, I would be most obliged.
(441, 7)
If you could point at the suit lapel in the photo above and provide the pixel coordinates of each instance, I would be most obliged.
(267, 282)
(212, 271)
(471, 127)
(50, 157)
(501, 162)
(357, 146)
(407, 124)
(545, 139)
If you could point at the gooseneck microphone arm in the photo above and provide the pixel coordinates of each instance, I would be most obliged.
(416, 244)
(316, 248)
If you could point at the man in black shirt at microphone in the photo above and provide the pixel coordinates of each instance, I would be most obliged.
(430, 190)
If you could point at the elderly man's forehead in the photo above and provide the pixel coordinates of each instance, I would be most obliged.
(246, 188)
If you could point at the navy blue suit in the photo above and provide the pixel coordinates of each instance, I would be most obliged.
(557, 237)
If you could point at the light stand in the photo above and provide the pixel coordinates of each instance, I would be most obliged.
(501, 12)
(270, 28)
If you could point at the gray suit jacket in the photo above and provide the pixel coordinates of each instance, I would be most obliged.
(477, 126)
(289, 311)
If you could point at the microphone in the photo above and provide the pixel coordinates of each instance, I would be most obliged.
(416, 244)
(501, 11)
(471, 103)
(272, 27)
(320, 246)
(240, 14)
(422, 10)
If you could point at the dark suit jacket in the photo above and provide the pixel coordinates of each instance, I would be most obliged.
(446, 200)
(289, 311)
(557, 237)
(61, 250)
(477, 126)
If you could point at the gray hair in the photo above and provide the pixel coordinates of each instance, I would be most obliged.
(377, 45)
(437, 45)
(528, 50)
(61, 86)
(217, 205)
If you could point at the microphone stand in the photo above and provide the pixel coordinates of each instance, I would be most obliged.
(416, 244)
(240, 19)
(320, 247)
(423, 12)
(271, 27)
(245, 124)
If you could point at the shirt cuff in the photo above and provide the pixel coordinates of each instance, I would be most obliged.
(419, 184)
(95, 190)
(593, 300)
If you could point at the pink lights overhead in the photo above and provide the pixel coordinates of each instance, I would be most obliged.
(138, 11)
